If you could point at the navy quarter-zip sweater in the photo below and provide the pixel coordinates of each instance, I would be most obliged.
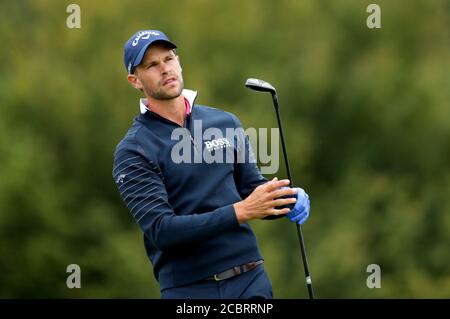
(185, 210)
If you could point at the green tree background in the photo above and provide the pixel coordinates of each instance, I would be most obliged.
(367, 121)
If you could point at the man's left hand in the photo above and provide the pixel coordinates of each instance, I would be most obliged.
(300, 213)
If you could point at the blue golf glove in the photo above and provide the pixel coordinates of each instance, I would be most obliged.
(300, 213)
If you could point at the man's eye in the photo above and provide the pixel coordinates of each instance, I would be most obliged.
(150, 65)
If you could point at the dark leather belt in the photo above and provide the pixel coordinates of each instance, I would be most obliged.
(235, 271)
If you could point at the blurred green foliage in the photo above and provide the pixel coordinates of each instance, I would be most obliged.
(367, 123)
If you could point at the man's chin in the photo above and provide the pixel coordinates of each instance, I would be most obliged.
(170, 96)
(167, 95)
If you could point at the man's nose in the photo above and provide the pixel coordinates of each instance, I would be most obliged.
(164, 67)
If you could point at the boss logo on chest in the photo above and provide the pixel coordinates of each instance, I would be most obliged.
(217, 144)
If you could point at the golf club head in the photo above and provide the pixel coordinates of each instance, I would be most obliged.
(260, 85)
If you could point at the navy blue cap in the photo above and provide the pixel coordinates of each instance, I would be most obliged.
(136, 46)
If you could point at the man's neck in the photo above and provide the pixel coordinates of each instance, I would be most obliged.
(173, 109)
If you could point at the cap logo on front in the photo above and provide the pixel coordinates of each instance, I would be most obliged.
(145, 35)
(134, 49)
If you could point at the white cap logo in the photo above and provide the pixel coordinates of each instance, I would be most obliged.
(143, 35)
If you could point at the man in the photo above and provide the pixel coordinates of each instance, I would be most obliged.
(194, 213)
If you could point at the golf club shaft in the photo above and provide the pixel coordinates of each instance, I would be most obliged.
(299, 230)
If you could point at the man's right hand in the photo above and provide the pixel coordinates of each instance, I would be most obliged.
(263, 200)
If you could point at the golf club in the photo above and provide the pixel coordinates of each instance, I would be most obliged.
(263, 86)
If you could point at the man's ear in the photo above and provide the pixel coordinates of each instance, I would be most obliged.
(134, 81)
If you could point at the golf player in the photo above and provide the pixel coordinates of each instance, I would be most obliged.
(194, 214)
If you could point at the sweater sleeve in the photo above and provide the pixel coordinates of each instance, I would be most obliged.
(140, 184)
(246, 174)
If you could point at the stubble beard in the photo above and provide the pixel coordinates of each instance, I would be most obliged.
(162, 94)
